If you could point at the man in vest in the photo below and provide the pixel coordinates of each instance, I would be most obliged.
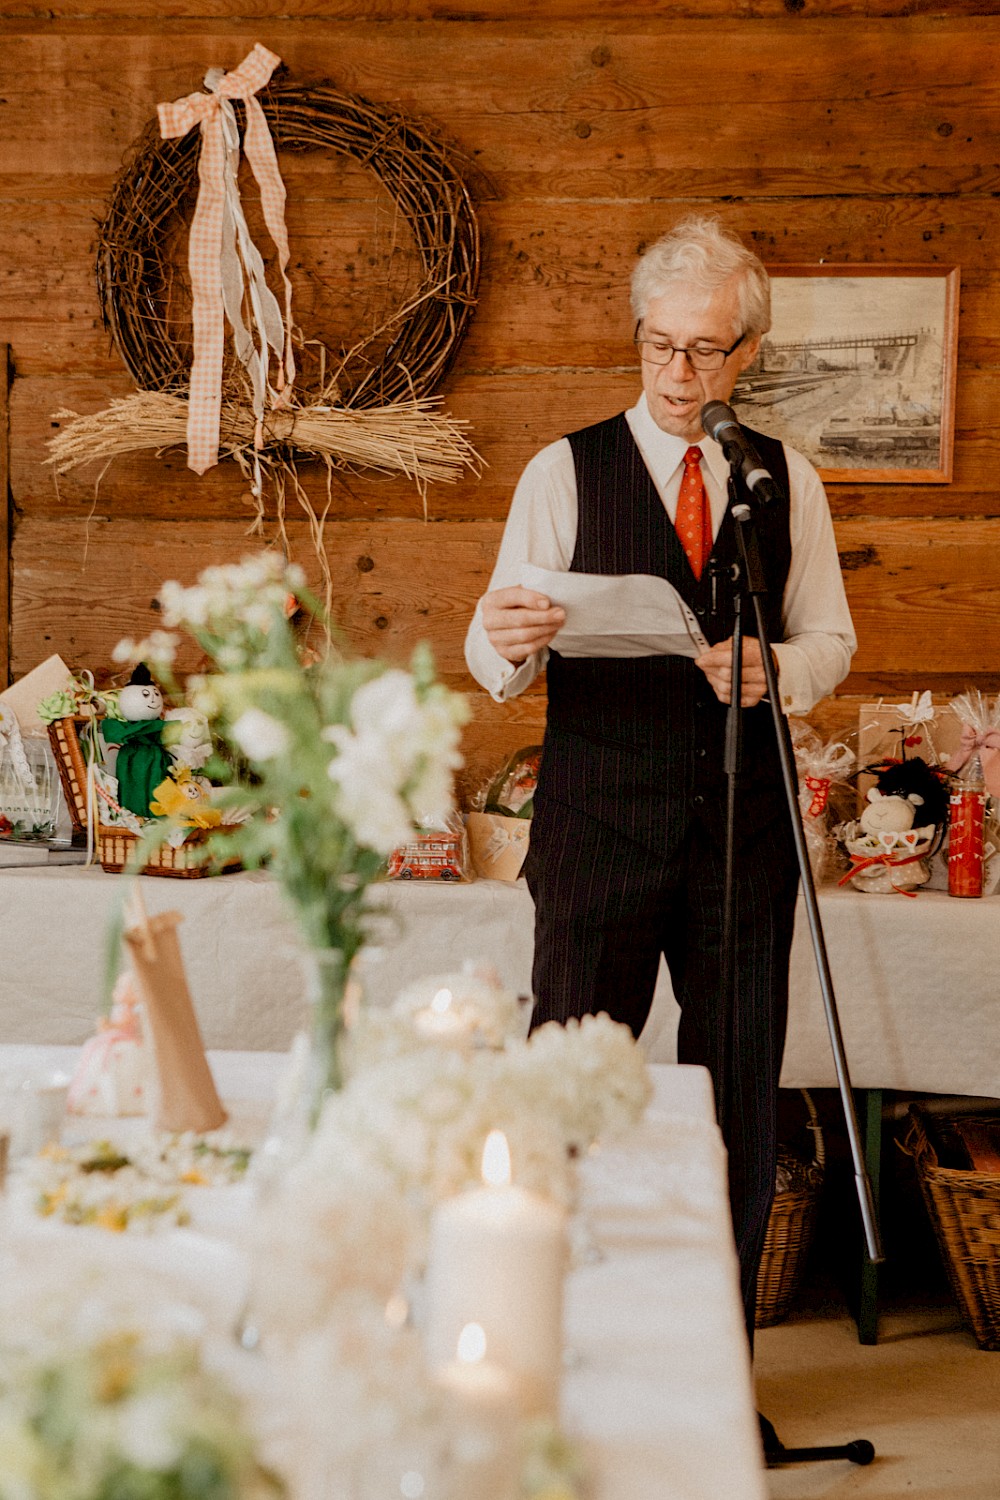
(626, 858)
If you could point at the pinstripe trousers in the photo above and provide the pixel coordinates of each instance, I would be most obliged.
(606, 907)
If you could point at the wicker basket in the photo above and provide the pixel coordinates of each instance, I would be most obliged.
(115, 845)
(790, 1231)
(964, 1207)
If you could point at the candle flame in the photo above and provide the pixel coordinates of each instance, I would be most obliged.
(441, 1002)
(397, 1311)
(471, 1344)
(496, 1159)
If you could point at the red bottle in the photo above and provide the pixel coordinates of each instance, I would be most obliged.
(966, 821)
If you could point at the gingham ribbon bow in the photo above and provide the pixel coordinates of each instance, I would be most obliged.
(220, 252)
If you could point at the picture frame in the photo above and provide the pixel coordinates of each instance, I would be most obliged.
(858, 370)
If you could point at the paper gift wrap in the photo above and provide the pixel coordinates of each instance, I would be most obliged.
(498, 845)
(892, 731)
(184, 1095)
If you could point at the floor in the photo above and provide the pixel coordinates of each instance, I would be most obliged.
(925, 1395)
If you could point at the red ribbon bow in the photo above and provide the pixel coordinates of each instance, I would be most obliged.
(865, 861)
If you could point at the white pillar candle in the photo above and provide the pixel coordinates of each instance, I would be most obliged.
(498, 1258)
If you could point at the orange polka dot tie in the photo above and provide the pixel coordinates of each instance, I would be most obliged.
(694, 518)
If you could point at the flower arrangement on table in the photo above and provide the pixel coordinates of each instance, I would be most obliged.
(342, 1242)
(346, 757)
(137, 1190)
(124, 1415)
(341, 1245)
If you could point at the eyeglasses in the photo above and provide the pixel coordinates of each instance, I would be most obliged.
(702, 357)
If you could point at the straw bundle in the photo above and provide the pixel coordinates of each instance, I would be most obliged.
(415, 437)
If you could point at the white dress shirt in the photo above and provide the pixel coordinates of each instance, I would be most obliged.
(819, 638)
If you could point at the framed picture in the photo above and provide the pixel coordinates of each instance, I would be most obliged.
(858, 370)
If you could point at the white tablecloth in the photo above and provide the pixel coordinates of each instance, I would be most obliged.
(657, 1386)
(915, 978)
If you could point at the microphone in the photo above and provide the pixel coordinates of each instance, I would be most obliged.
(719, 421)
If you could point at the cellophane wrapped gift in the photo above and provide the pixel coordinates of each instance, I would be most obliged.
(979, 724)
(500, 822)
(113, 1074)
(439, 850)
(827, 796)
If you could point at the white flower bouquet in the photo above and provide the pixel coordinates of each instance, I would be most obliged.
(408, 1131)
(122, 1416)
(342, 757)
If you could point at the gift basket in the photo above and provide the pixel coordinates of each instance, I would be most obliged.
(156, 754)
(900, 829)
(963, 1204)
(439, 850)
(792, 1223)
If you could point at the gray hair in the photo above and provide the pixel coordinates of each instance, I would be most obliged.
(700, 252)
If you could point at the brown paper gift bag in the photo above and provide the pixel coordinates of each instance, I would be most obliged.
(184, 1097)
(884, 733)
(499, 845)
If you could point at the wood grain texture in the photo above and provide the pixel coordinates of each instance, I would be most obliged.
(84, 584)
(836, 130)
(327, 12)
(510, 415)
(5, 516)
(530, 96)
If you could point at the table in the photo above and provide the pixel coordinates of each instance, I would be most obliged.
(915, 978)
(658, 1385)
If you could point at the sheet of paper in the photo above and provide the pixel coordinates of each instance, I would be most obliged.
(632, 615)
(26, 694)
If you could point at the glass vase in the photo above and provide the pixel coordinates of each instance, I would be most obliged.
(327, 979)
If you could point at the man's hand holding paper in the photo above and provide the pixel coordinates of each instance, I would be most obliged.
(634, 615)
(520, 621)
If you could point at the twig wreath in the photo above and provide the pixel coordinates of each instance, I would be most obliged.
(369, 406)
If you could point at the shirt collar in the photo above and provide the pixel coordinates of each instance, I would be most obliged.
(668, 451)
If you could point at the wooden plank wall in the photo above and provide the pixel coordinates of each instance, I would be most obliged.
(842, 130)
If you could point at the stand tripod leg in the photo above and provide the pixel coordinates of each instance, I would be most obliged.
(776, 1455)
(871, 1108)
(757, 588)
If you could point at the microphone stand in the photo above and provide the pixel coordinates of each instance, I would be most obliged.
(859, 1451)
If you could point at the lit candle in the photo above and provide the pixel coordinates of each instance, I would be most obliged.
(441, 1020)
(498, 1259)
(485, 1406)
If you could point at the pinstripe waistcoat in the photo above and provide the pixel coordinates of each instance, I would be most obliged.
(637, 743)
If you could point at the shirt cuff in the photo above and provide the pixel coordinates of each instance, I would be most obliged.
(795, 680)
(500, 677)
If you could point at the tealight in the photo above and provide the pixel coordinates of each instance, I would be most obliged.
(441, 1019)
(485, 1410)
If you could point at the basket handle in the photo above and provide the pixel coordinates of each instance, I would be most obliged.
(819, 1145)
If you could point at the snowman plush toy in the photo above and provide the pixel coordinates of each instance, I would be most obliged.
(142, 762)
(891, 841)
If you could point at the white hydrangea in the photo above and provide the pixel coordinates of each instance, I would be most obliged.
(260, 735)
(395, 761)
(423, 1115)
(237, 593)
